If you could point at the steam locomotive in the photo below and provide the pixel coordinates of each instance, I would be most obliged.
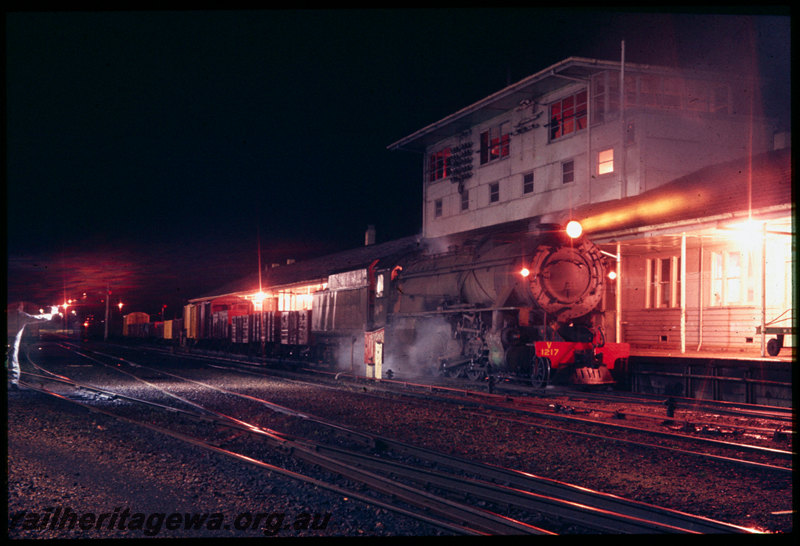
(504, 303)
(522, 305)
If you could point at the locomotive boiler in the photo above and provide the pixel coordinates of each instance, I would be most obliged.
(517, 304)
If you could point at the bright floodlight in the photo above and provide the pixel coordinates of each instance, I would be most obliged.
(525, 272)
(574, 229)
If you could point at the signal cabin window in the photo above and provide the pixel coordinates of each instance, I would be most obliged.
(494, 192)
(605, 96)
(732, 278)
(605, 162)
(568, 115)
(527, 183)
(465, 200)
(657, 92)
(439, 165)
(663, 282)
(495, 143)
(568, 172)
(437, 208)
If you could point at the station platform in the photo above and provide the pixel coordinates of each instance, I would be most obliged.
(741, 377)
(787, 354)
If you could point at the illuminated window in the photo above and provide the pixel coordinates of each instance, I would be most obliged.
(732, 278)
(605, 162)
(379, 285)
(439, 165)
(465, 200)
(568, 172)
(495, 143)
(663, 282)
(527, 183)
(494, 192)
(568, 115)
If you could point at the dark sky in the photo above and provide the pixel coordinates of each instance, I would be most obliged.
(150, 151)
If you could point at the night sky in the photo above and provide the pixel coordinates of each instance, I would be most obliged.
(152, 151)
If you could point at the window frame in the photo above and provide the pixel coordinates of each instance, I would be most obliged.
(495, 143)
(494, 192)
(726, 278)
(600, 162)
(568, 172)
(569, 115)
(663, 293)
(439, 164)
(528, 181)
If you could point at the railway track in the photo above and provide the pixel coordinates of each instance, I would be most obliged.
(673, 435)
(520, 493)
(681, 432)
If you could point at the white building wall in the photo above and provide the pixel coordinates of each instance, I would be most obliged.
(660, 145)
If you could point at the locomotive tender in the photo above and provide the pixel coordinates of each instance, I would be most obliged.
(521, 302)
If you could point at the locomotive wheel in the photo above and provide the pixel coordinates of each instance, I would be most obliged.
(475, 372)
(540, 371)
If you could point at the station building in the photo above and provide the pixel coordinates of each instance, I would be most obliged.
(676, 174)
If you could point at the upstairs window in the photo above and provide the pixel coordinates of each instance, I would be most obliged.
(495, 143)
(527, 183)
(494, 192)
(605, 162)
(465, 200)
(439, 166)
(605, 97)
(437, 208)
(568, 172)
(568, 115)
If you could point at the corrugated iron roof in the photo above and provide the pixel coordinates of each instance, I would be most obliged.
(319, 268)
(733, 187)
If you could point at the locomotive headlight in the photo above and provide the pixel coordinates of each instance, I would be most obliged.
(574, 229)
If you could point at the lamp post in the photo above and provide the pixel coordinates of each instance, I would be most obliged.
(121, 317)
(105, 329)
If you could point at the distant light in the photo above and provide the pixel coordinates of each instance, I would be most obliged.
(525, 272)
(574, 229)
(612, 275)
(748, 233)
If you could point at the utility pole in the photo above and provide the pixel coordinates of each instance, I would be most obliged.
(108, 296)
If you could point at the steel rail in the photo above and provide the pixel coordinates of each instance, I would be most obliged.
(591, 500)
(461, 529)
(672, 435)
(563, 490)
(543, 486)
(467, 517)
(590, 517)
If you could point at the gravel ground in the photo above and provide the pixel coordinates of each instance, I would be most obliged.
(61, 457)
(64, 457)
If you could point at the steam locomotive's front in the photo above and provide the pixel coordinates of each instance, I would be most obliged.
(565, 274)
